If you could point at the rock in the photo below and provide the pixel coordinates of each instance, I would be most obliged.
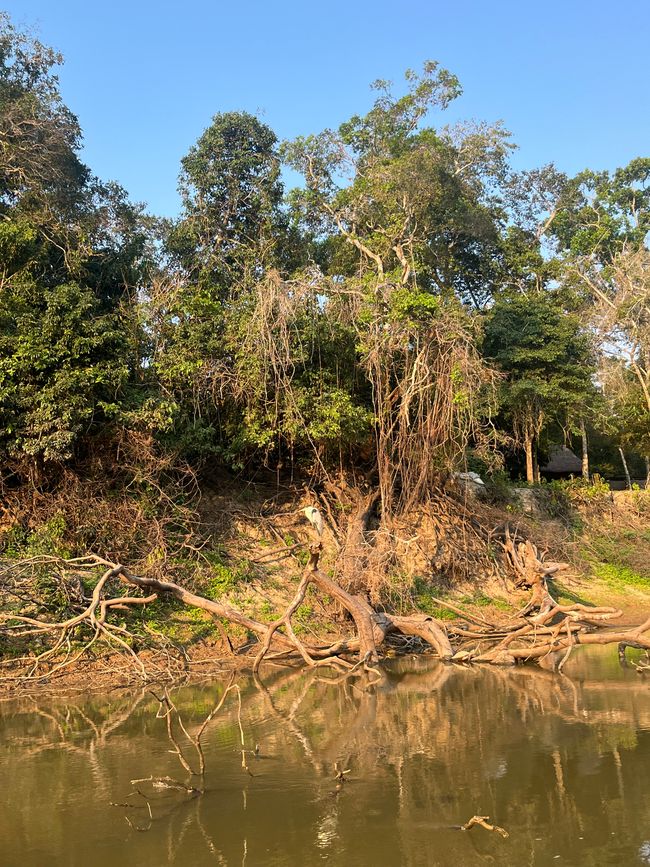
(528, 500)
(472, 483)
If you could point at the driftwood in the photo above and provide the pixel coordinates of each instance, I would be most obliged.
(483, 822)
(164, 784)
(542, 631)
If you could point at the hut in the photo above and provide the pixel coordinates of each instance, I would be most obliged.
(562, 464)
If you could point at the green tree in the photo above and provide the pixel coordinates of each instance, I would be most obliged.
(421, 206)
(412, 235)
(232, 233)
(231, 192)
(602, 231)
(547, 361)
(73, 253)
(603, 213)
(40, 172)
(62, 365)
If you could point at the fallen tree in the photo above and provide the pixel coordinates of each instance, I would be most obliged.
(542, 630)
(372, 627)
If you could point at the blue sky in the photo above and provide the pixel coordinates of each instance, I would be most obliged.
(570, 79)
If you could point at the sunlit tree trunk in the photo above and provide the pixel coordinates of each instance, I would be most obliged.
(585, 450)
(528, 446)
(627, 472)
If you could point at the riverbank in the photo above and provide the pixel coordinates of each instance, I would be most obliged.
(199, 660)
(453, 563)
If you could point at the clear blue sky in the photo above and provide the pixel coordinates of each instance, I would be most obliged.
(570, 79)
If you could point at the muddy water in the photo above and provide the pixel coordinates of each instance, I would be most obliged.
(562, 763)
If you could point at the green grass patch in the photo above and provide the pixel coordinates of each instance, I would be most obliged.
(621, 558)
(175, 621)
(428, 606)
(620, 576)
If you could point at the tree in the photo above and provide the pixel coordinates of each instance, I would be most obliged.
(603, 213)
(621, 312)
(232, 235)
(40, 171)
(420, 206)
(411, 236)
(547, 361)
(72, 256)
(231, 191)
(62, 362)
(602, 232)
(626, 418)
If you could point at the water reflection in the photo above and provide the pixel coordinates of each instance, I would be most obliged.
(561, 762)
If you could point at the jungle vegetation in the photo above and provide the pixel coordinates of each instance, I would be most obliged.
(413, 308)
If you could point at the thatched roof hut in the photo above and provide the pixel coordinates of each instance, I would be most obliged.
(562, 462)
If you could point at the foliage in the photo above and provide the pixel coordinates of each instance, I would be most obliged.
(595, 492)
(47, 538)
(231, 191)
(602, 213)
(71, 250)
(413, 305)
(546, 358)
(421, 224)
(62, 363)
(602, 229)
(39, 167)
(618, 576)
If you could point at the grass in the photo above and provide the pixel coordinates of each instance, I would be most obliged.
(480, 599)
(620, 559)
(428, 606)
(175, 621)
(620, 577)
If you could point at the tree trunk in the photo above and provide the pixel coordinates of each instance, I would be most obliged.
(647, 472)
(528, 446)
(536, 475)
(627, 472)
(585, 450)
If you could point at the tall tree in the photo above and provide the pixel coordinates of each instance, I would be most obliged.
(412, 235)
(40, 171)
(231, 233)
(71, 258)
(231, 192)
(602, 231)
(547, 362)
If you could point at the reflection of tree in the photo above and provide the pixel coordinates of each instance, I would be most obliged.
(428, 748)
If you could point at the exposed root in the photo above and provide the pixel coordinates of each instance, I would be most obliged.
(543, 631)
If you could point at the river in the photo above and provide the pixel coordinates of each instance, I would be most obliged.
(560, 762)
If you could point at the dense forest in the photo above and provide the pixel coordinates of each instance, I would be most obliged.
(413, 307)
(413, 304)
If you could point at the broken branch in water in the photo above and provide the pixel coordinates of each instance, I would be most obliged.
(484, 822)
(168, 710)
(134, 807)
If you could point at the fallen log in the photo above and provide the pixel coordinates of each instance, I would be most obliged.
(542, 630)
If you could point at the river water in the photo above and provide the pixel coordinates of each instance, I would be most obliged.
(562, 763)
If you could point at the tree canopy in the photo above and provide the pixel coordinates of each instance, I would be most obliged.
(414, 303)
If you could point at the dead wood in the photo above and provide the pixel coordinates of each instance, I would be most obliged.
(483, 822)
(542, 631)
